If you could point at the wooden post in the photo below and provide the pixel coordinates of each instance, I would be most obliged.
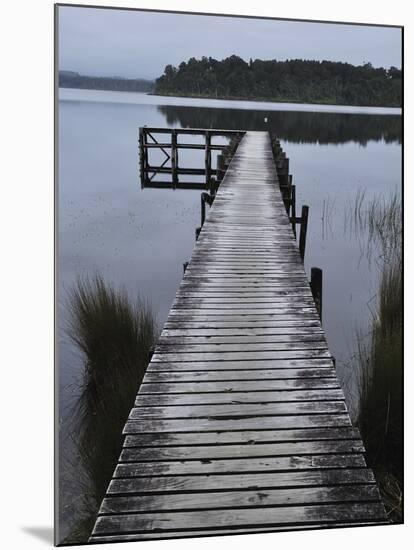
(303, 230)
(316, 287)
(174, 158)
(141, 156)
(293, 208)
(213, 186)
(205, 198)
(220, 168)
(144, 152)
(207, 159)
(288, 193)
(203, 209)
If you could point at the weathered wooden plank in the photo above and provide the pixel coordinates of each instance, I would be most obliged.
(246, 437)
(196, 287)
(186, 300)
(293, 353)
(240, 385)
(231, 295)
(156, 375)
(248, 364)
(163, 535)
(281, 241)
(225, 397)
(245, 249)
(238, 465)
(214, 452)
(222, 482)
(252, 317)
(200, 270)
(257, 314)
(222, 348)
(221, 375)
(256, 306)
(239, 281)
(232, 411)
(261, 516)
(241, 499)
(237, 285)
(241, 423)
(289, 257)
(194, 339)
(218, 334)
(245, 261)
(241, 323)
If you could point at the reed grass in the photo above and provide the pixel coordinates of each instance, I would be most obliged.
(380, 359)
(115, 336)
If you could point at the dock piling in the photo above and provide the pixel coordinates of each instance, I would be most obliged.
(316, 287)
(303, 230)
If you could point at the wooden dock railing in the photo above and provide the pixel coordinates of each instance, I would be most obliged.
(149, 140)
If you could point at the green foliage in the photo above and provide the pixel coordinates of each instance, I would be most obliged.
(294, 80)
(115, 337)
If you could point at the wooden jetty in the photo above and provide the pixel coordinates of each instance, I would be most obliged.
(240, 425)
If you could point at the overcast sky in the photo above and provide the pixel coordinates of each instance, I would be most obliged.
(140, 44)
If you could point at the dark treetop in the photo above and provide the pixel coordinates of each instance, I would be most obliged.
(293, 80)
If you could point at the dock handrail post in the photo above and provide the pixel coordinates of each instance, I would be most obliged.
(316, 287)
(207, 159)
(213, 187)
(303, 230)
(220, 168)
(205, 198)
(174, 158)
(203, 209)
(141, 156)
(293, 208)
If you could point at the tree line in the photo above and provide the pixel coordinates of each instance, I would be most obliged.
(70, 79)
(294, 80)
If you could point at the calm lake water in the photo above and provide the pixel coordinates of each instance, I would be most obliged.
(139, 239)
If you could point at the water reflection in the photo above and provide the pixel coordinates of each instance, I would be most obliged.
(293, 126)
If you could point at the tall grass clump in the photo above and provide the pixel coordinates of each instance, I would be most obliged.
(115, 336)
(380, 359)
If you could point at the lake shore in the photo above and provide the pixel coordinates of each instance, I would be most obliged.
(283, 101)
(74, 94)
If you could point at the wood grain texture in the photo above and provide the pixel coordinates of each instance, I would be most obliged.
(240, 424)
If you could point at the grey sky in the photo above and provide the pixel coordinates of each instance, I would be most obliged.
(140, 44)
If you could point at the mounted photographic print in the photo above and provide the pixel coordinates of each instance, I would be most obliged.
(229, 275)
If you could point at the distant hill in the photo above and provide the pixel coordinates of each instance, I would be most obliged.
(71, 79)
(295, 80)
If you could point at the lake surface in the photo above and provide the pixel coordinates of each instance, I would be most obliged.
(139, 239)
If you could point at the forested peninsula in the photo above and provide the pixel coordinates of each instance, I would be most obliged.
(296, 80)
